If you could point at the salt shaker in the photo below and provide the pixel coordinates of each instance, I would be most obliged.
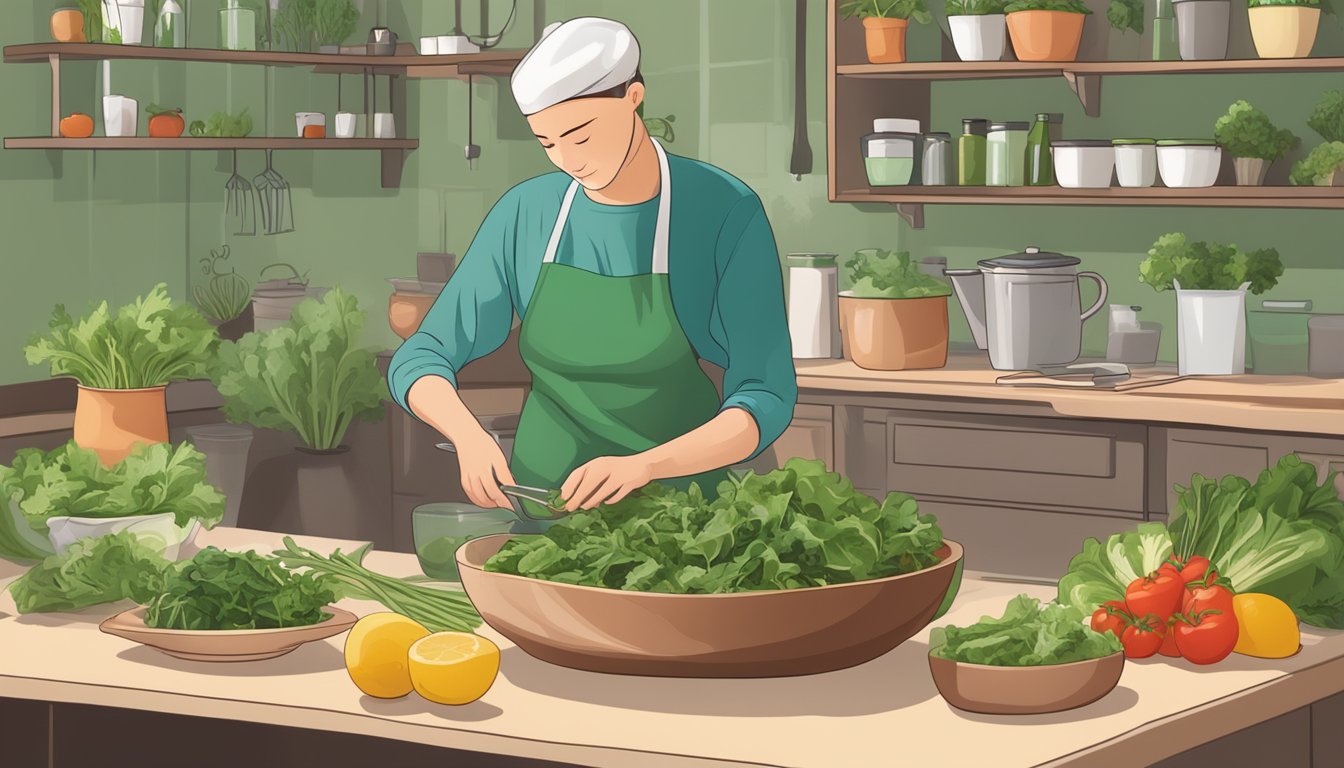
(814, 315)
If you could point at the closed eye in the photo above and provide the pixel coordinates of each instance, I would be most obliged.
(547, 146)
(583, 141)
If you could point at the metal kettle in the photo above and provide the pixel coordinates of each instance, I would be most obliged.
(382, 42)
(1025, 308)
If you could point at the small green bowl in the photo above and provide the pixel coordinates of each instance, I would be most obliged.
(440, 529)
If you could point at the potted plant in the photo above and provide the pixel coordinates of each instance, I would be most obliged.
(309, 377)
(92, 10)
(1046, 30)
(1202, 28)
(123, 362)
(884, 25)
(1284, 29)
(894, 317)
(1211, 281)
(227, 299)
(1323, 166)
(1125, 16)
(1252, 140)
(334, 21)
(978, 28)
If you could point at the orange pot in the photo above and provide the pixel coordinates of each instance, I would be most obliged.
(894, 334)
(67, 26)
(885, 39)
(1284, 31)
(111, 422)
(405, 312)
(1045, 35)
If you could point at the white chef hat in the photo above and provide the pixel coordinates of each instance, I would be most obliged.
(579, 57)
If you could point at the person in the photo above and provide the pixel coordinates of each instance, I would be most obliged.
(626, 267)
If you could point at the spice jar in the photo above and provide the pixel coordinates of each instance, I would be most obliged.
(1007, 151)
(889, 153)
(814, 321)
(972, 152)
(937, 157)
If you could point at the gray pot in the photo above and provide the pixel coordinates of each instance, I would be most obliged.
(1250, 171)
(1202, 28)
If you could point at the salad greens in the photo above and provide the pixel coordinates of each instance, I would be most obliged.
(881, 274)
(148, 343)
(72, 481)
(1317, 167)
(1101, 572)
(105, 569)
(1282, 535)
(438, 610)
(308, 376)
(222, 125)
(1201, 266)
(800, 526)
(218, 590)
(1028, 634)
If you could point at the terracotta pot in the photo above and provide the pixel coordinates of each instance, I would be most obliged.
(1046, 35)
(67, 26)
(894, 334)
(111, 422)
(1284, 31)
(1250, 171)
(405, 312)
(885, 39)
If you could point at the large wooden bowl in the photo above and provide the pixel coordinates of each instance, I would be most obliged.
(1025, 690)
(776, 633)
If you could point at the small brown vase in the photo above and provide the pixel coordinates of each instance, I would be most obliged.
(112, 422)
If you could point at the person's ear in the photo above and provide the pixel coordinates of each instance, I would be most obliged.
(635, 93)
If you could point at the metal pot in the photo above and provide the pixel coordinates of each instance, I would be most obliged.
(1025, 308)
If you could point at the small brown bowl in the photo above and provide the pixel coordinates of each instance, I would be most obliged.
(992, 690)
(226, 644)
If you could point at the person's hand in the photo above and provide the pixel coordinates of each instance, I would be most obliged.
(483, 469)
(606, 479)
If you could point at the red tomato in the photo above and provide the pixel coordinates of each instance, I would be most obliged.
(1111, 617)
(1195, 568)
(1206, 637)
(1143, 637)
(1199, 598)
(1159, 593)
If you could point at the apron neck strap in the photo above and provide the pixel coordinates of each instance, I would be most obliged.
(660, 234)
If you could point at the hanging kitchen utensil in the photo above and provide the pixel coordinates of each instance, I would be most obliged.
(275, 198)
(239, 204)
(801, 162)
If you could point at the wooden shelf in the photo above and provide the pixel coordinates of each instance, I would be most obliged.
(406, 62)
(983, 70)
(1228, 197)
(190, 143)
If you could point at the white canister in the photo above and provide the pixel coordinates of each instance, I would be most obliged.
(456, 44)
(346, 125)
(1083, 164)
(1135, 162)
(814, 313)
(384, 125)
(305, 119)
(121, 115)
(429, 46)
(1189, 162)
(1211, 332)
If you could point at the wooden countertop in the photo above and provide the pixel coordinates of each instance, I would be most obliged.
(1261, 403)
(879, 713)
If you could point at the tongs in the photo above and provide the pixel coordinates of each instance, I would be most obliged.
(539, 496)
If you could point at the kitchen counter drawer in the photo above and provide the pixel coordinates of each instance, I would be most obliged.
(1016, 460)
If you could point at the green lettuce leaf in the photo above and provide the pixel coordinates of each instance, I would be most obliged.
(1028, 634)
(92, 571)
(1102, 571)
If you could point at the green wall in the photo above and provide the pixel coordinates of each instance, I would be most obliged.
(83, 225)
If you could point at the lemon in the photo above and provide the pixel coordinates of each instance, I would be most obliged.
(376, 654)
(1266, 625)
(453, 667)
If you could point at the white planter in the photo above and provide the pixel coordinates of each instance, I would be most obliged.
(1083, 164)
(1211, 332)
(1136, 165)
(1189, 165)
(979, 38)
(158, 530)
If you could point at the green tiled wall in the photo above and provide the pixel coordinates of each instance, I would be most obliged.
(79, 226)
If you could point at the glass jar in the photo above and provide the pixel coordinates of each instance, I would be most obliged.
(972, 152)
(889, 158)
(237, 28)
(439, 530)
(170, 30)
(1006, 155)
(1039, 165)
(936, 159)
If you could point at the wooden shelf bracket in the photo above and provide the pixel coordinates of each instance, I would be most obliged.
(1088, 89)
(913, 213)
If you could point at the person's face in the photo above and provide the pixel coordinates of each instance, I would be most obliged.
(589, 138)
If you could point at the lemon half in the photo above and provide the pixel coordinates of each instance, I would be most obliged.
(453, 667)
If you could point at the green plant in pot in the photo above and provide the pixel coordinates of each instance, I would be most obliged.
(334, 21)
(227, 299)
(123, 362)
(1324, 165)
(978, 27)
(92, 10)
(1046, 30)
(1252, 140)
(1285, 29)
(894, 317)
(885, 23)
(1211, 281)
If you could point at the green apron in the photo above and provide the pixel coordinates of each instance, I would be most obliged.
(612, 371)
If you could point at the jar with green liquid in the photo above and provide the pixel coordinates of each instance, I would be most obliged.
(1040, 170)
(972, 152)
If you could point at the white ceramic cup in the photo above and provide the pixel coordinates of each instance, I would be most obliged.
(302, 119)
(131, 14)
(384, 125)
(429, 46)
(345, 125)
(120, 116)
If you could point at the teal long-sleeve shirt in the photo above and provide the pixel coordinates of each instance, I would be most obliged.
(723, 269)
